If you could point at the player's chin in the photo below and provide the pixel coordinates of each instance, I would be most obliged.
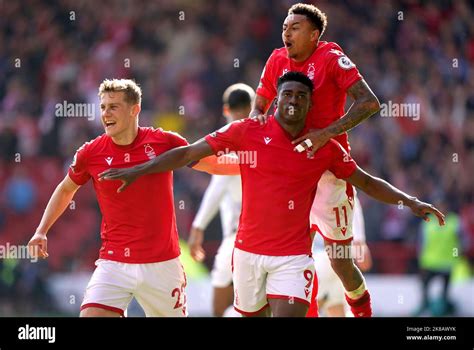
(291, 52)
(110, 131)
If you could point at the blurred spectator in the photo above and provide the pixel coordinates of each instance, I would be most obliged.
(441, 249)
(20, 192)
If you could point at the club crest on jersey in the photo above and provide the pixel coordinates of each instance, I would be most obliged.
(310, 72)
(345, 62)
(149, 151)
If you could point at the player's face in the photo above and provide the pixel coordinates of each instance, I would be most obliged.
(299, 36)
(117, 115)
(294, 101)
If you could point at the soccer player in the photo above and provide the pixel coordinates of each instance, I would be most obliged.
(273, 270)
(330, 300)
(224, 192)
(139, 256)
(334, 76)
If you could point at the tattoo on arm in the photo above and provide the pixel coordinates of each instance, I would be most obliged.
(365, 104)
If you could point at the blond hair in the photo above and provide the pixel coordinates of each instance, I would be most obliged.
(133, 93)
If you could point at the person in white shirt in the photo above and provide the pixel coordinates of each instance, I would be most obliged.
(224, 193)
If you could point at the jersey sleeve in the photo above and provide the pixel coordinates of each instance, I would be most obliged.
(267, 85)
(211, 201)
(342, 69)
(175, 139)
(78, 170)
(229, 137)
(342, 165)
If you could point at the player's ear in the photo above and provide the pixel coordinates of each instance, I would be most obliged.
(315, 35)
(225, 110)
(136, 108)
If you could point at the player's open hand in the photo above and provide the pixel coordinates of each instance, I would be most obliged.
(261, 118)
(422, 209)
(38, 246)
(127, 176)
(312, 141)
(196, 237)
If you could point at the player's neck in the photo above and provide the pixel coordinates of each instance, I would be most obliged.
(304, 56)
(127, 137)
(293, 129)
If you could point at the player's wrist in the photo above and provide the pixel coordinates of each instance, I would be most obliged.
(40, 233)
(411, 202)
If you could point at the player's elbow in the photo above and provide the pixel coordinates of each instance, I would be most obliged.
(372, 104)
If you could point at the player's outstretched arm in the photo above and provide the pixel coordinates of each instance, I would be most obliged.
(170, 160)
(58, 202)
(365, 105)
(382, 191)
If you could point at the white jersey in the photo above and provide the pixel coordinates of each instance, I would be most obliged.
(224, 193)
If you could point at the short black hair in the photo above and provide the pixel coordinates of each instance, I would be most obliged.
(296, 76)
(238, 96)
(314, 15)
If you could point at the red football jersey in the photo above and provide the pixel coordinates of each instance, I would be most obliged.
(331, 72)
(138, 224)
(278, 184)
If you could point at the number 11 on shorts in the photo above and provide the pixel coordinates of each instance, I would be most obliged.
(338, 216)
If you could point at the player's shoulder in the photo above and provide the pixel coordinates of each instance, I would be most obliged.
(330, 50)
(158, 134)
(91, 145)
(279, 55)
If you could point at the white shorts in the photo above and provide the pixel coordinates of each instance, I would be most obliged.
(158, 287)
(221, 274)
(258, 278)
(332, 211)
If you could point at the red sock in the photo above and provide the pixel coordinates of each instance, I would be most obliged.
(313, 307)
(361, 307)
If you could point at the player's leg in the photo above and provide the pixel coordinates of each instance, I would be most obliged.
(331, 300)
(161, 289)
(332, 216)
(289, 284)
(250, 280)
(99, 312)
(357, 294)
(283, 308)
(109, 291)
(221, 277)
(223, 298)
